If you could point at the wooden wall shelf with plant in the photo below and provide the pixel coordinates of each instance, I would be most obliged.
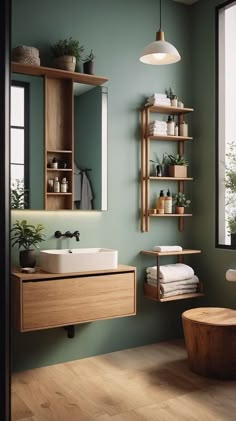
(146, 212)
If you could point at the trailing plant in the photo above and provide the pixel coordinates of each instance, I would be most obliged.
(27, 235)
(177, 160)
(181, 200)
(67, 47)
(90, 57)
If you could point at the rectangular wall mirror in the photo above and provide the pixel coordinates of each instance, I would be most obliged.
(33, 170)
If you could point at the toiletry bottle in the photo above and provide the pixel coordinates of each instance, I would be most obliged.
(170, 126)
(56, 185)
(160, 200)
(168, 203)
(176, 130)
(64, 185)
(183, 129)
(174, 101)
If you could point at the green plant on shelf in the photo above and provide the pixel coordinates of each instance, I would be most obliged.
(68, 47)
(180, 200)
(177, 160)
(160, 164)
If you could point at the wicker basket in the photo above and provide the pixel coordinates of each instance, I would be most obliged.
(26, 55)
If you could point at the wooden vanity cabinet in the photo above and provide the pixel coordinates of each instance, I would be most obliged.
(44, 300)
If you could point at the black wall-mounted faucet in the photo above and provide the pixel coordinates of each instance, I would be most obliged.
(68, 234)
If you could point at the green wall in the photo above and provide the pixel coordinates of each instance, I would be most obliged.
(213, 262)
(117, 32)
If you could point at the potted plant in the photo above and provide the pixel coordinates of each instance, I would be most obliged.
(231, 221)
(27, 236)
(88, 65)
(181, 202)
(177, 166)
(159, 165)
(66, 52)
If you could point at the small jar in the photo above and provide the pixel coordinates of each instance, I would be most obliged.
(54, 163)
(174, 101)
(180, 104)
(56, 185)
(64, 185)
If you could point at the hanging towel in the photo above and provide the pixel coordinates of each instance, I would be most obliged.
(86, 194)
(167, 248)
(77, 183)
(171, 273)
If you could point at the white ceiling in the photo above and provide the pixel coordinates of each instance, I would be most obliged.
(189, 2)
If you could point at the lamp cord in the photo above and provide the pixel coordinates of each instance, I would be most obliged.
(160, 14)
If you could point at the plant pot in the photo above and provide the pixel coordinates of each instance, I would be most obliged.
(178, 171)
(27, 258)
(88, 67)
(179, 209)
(233, 239)
(65, 63)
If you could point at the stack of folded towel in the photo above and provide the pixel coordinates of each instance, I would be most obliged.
(158, 99)
(175, 279)
(157, 127)
(167, 248)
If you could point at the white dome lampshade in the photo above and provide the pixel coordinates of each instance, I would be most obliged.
(160, 52)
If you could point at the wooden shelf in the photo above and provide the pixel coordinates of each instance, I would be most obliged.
(28, 69)
(169, 138)
(58, 194)
(170, 178)
(58, 151)
(59, 169)
(168, 109)
(161, 215)
(151, 293)
(169, 253)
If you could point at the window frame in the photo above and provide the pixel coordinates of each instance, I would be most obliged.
(25, 86)
(217, 154)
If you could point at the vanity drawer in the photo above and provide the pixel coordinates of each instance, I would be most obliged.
(68, 301)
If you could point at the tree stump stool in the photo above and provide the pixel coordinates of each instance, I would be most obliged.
(210, 338)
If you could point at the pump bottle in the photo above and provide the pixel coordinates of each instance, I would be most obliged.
(168, 203)
(160, 200)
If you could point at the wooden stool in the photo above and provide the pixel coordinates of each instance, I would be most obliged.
(210, 337)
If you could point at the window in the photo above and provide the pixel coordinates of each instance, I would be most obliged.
(19, 145)
(226, 126)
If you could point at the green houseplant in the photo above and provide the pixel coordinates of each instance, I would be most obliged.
(19, 195)
(88, 65)
(66, 52)
(27, 236)
(181, 202)
(177, 166)
(159, 165)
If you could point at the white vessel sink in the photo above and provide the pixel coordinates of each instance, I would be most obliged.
(78, 260)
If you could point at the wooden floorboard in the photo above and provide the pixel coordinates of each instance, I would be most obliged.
(147, 383)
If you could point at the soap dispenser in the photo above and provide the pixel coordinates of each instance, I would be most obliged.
(160, 202)
(168, 203)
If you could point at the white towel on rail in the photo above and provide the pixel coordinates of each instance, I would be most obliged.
(172, 272)
(169, 286)
(179, 292)
(167, 248)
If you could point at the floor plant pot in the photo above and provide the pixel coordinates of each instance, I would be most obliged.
(65, 63)
(88, 67)
(27, 258)
(179, 209)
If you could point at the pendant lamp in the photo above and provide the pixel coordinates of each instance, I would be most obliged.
(160, 51)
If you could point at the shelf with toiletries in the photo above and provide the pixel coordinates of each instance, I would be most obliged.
(158, 289)
(159, 130)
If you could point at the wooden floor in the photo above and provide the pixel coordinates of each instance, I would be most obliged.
(141, 384)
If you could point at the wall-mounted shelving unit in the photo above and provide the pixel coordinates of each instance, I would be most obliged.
(58, 125)
(146, 212)
(154, 293)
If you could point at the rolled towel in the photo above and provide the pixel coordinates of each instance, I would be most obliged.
(169, 286)
(167, 248)
(172, 272)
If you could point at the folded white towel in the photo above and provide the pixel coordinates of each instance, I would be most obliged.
(172, 272)
(169, 286)
(157, 123)
(167, 248)
(157, 133)
(179, 292)
(157, 95)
